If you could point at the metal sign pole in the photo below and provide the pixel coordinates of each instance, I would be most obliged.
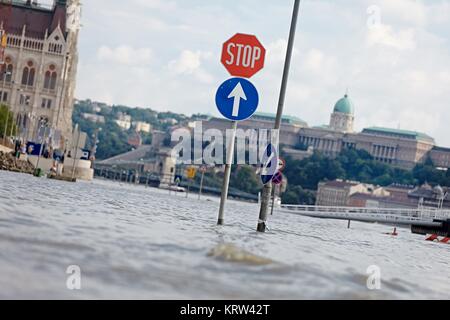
(273, 199)
(6, 126)
(40, 150)
(226, 178)
(201, 185)
(188, 189)
(76, 152)
(268, 187)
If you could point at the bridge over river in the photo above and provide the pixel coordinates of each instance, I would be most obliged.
(421, 220)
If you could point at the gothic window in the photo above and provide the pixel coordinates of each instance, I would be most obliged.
(24, 100)
(6, 70)
(28, 74)
(3, 96)
(46, 103)
(50, 78)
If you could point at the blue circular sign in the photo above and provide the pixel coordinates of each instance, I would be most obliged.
(237, 99)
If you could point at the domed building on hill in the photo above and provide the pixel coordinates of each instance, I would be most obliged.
(343, 115)
(401, 148)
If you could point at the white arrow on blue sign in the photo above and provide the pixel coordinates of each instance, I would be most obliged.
(269, 163)
(237, 99)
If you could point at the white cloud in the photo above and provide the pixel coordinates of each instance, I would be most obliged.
(412, 12)
(276, 51)
(188, 62)
(157, 4)
(314, 59)
(125, 55)
(385, 35)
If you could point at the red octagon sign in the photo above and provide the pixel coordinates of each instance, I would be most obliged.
(243, 55)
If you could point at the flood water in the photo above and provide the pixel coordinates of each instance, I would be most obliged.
(136, 242)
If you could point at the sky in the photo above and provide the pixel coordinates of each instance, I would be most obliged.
(393, 57)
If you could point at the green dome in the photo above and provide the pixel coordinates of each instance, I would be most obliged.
(345, 105)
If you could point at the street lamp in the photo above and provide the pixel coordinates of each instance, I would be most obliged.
(94, 146)
(5, 74)
(26, 100)
(42, 124)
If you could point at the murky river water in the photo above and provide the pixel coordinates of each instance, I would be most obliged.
(133, 242)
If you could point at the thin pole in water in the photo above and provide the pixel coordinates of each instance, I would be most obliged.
(273, 199)
(188, 189)
(40, 150)
(201, 185)
(227, 174)
(76, 153)
(268, 187)
(6, 126)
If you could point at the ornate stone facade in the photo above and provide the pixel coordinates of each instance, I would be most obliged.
(39, 76)
(401, 148)
(343, 116)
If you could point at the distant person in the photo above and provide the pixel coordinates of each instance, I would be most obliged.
(17, 148)
(54, 168)
(23, 149)
(394, 233)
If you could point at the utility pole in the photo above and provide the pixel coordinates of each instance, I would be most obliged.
(38, 173)
(94, 147)
(76, 151)
(227, 174)
(267, 190)
(274, 188)
(5, 74)
(201, 184)
(62, 98)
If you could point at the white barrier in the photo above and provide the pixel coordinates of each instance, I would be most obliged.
(421, 216)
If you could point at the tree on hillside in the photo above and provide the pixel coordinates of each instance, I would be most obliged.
(245, 179)
(296, 195)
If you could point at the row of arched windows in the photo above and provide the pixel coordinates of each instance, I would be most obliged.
(6, 71)
(29, 74)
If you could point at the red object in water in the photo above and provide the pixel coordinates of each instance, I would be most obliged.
(445, 240)
(432, 238)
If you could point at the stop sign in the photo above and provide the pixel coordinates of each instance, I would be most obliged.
(243, 55)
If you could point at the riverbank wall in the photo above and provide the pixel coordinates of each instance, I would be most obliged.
(9, 163)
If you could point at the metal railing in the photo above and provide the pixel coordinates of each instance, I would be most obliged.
(422, 216)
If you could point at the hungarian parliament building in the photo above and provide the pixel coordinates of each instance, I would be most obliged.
(38, 66)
